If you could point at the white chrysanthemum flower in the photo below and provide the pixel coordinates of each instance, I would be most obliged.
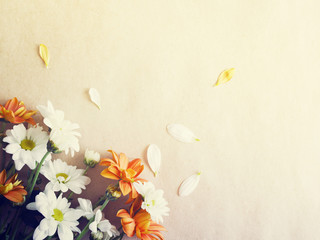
(153, 201)
(91, 158)
(103, 225)
(57, 215)
(27, 146)
(85, 206)
(62, 132)
(63, 177)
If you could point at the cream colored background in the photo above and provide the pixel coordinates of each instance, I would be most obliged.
(154, 63)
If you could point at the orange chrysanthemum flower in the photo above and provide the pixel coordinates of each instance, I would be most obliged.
(140, 223)
(15, 112)
(12, 188)
(119, 168)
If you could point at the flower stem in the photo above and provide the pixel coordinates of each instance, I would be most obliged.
(99, 201)
(31, 176)
(36, 175)
(29, 235)
(16, 223)
(11, 170)
(85, 230)
(85, 171)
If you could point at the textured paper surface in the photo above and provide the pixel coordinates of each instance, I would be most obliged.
(154, 63)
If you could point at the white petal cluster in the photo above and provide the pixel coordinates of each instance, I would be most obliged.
(64, 177)
(57, 216)
(62, 132)
(153, 201)
(27, 146)
(100, 226)
(103, 225)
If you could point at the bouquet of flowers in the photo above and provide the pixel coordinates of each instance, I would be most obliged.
(32, 209)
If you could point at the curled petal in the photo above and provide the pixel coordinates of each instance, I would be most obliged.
(105, 173)
(115, 156)
(16, 196)
(135, 164)
(134, 193)
(225, 76)
(154, 158)
(95, 97)
(189, 185)
(3, 176)
(106, 162)
(127, 222)
(44, 54)
(181, 133)
(125, 187)
(156, 227)
(123, 214)
(123, 161)
(114, 169)
(128, 227)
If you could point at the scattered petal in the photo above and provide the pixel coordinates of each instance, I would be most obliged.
(95, 96)
(225, 76)
(189, 185)
(154, 158)
(181, 133)
(44, 54)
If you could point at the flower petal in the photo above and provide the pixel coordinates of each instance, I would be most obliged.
(122, 213)
(95, 97)
(3, 176)
(181, 133)
(125, 187)
(189, 185)
(225, 76)
(64, 232)
(93, 227)
(105, 173)
(44, 54)
(104, 225)
(154, 158)
(14, 196)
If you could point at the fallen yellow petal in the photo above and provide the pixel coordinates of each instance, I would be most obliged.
(44, 54)
(225, 76)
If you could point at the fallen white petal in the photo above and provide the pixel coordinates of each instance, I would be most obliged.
(181, 133)
(95, 97)
(154, 158)
(189, 185)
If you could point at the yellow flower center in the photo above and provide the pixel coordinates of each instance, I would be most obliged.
(4, 189)
(153, 202)
(64, 175)
(27, 144)
(57, 215)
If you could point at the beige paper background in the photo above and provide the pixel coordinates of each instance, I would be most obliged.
(154, 63)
